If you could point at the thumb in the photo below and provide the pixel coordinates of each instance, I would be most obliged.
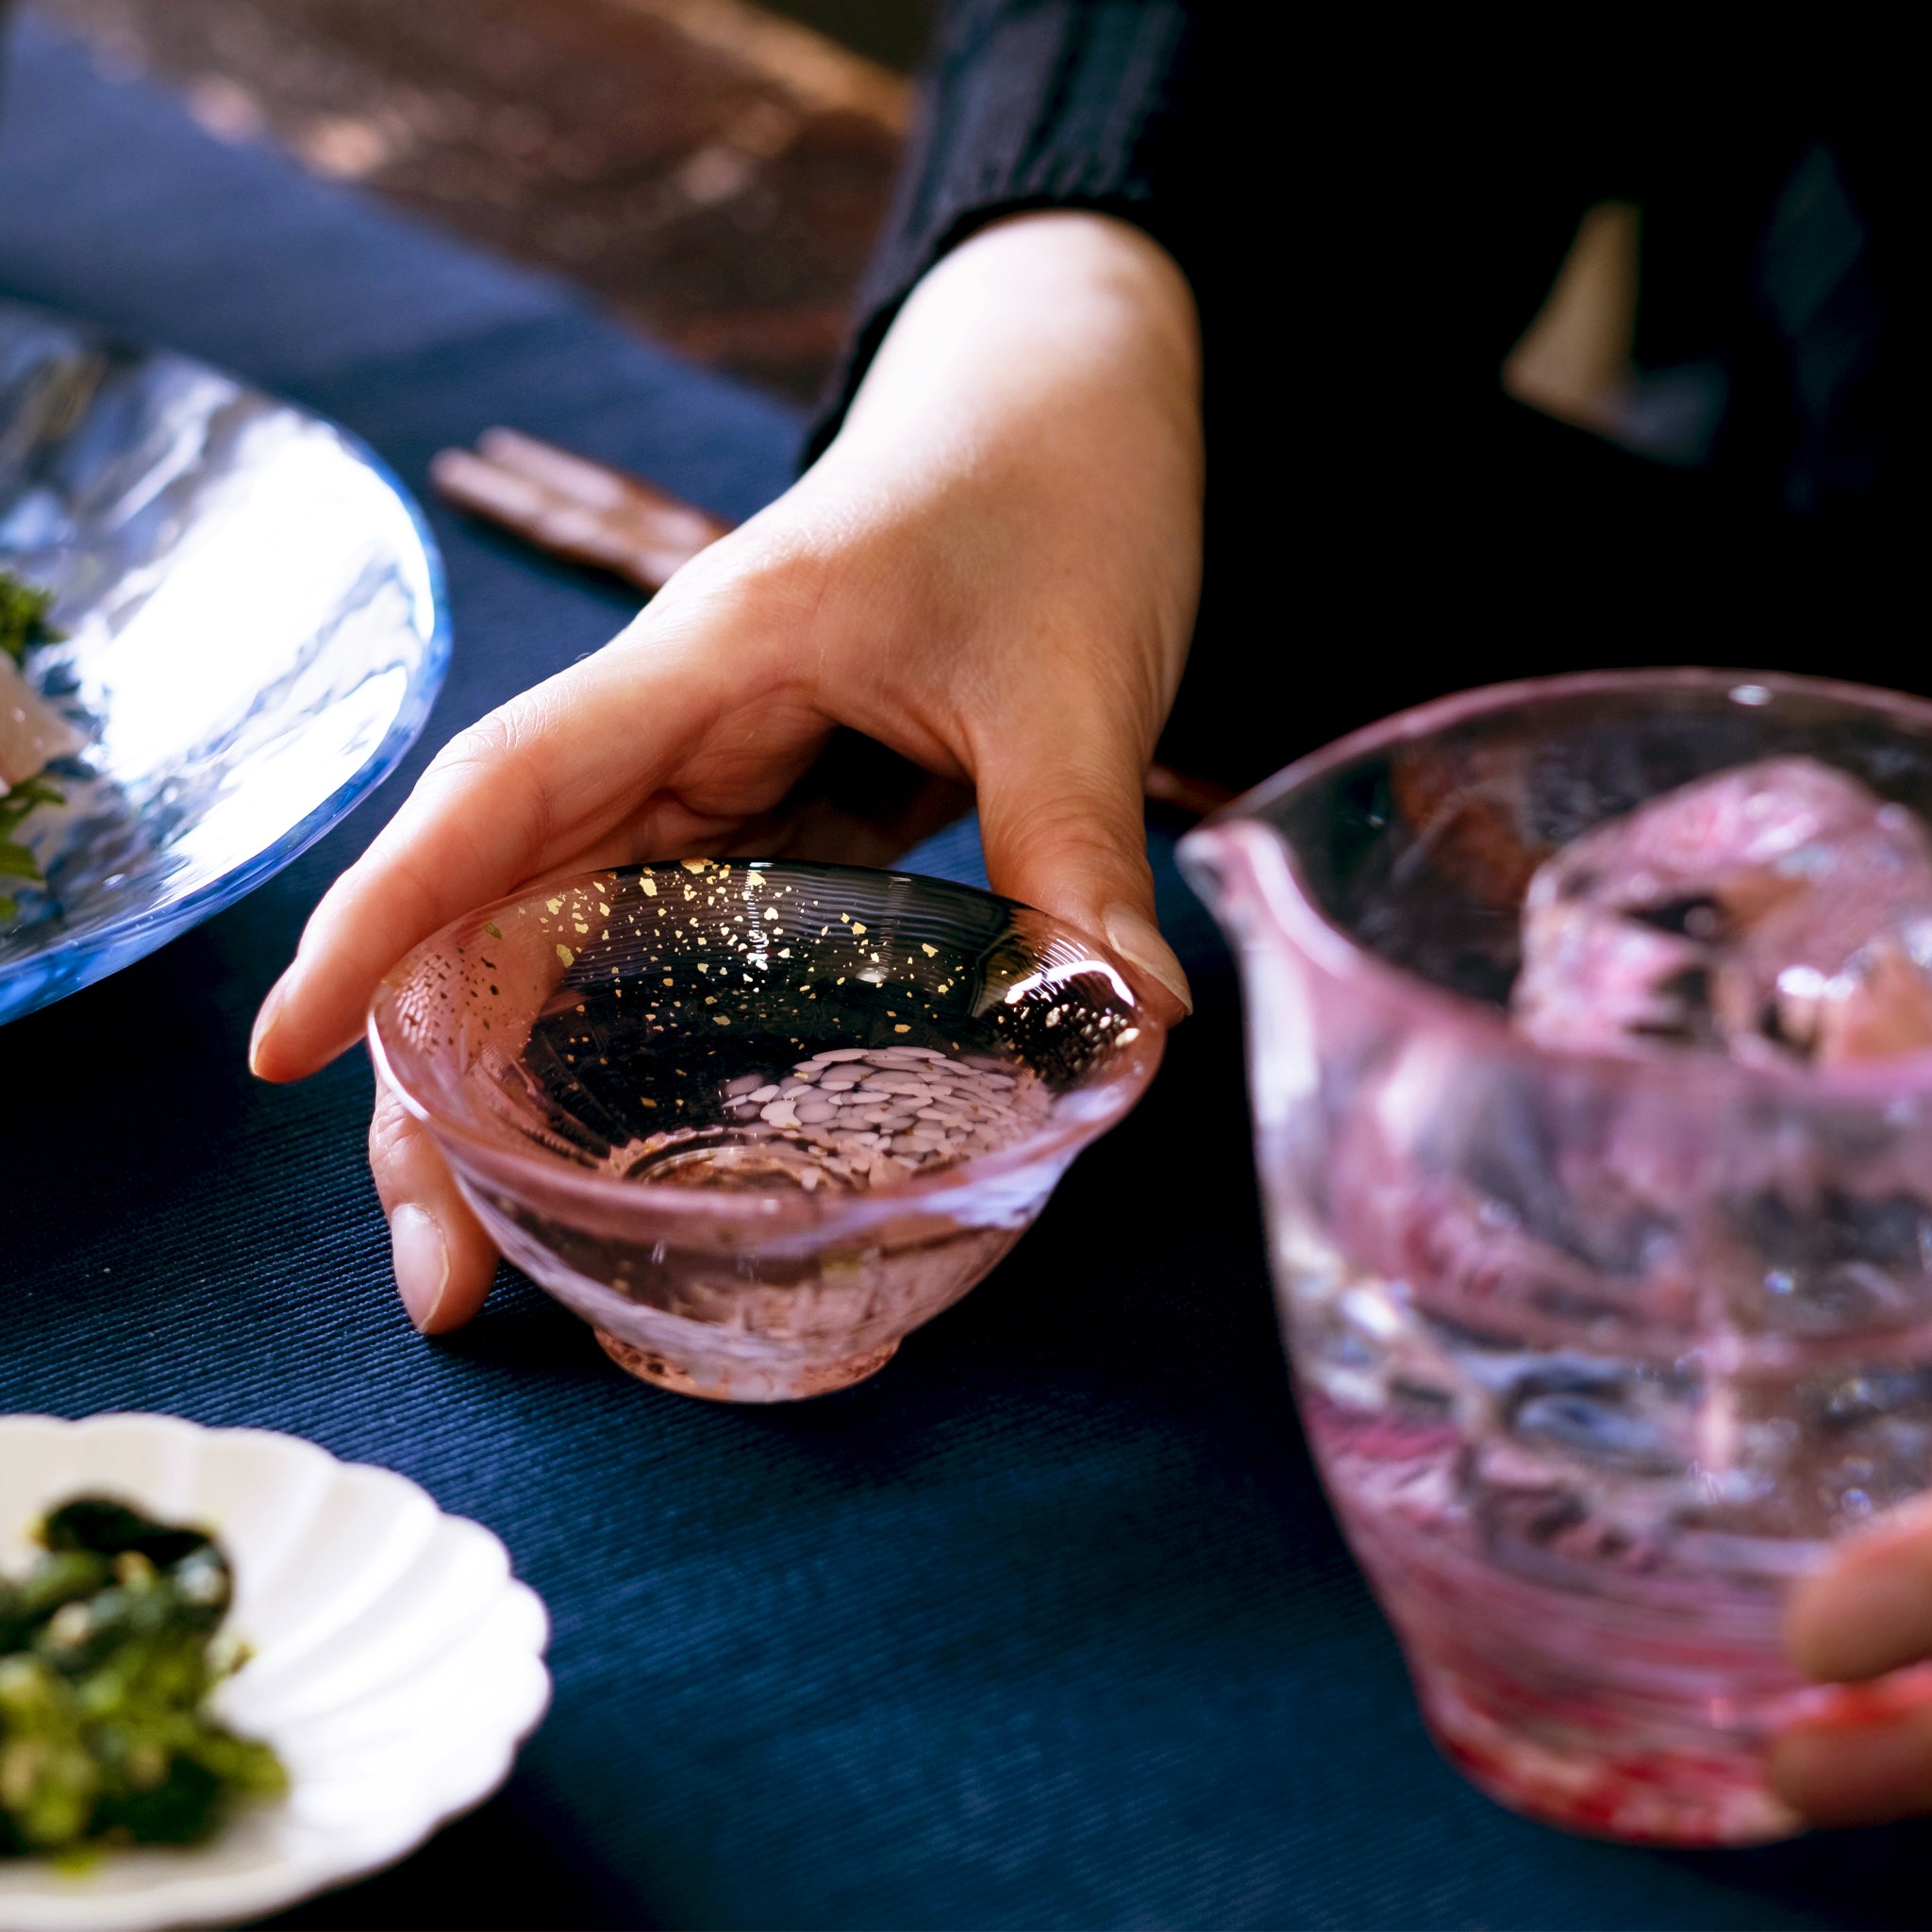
(444, 1262)
(1062, 828)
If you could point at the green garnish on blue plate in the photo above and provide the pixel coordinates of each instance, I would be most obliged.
(23, 616)
(23, 625)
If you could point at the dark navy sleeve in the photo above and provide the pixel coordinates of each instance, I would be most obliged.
(1042, 104)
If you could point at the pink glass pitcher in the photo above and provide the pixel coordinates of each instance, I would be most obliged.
(1595, 1353)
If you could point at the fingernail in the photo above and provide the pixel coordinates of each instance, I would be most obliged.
(421, 1258)
(1137, 940)
(264, 1023)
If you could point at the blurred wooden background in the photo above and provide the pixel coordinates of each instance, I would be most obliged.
(715, 169)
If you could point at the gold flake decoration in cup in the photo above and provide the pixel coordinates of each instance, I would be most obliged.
(756, 1121)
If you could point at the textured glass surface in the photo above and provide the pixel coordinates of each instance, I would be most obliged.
(254, 626)
(1595, 1353)
(756, 1121)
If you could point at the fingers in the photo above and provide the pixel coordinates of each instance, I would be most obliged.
(1863, 1757)
(554, 776)
(443, 1260)
(1063, 827)
(458, 841)
(1869, 1608)
(1862, 1751)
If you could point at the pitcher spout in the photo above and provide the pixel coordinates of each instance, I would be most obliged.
(1241, 867)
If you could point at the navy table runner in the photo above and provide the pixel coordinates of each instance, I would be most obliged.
(1048, 1624)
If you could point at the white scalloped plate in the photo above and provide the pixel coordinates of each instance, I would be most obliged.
(398, 1663)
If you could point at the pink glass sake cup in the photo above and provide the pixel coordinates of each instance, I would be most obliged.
(756, 1121)
(1595, 1353)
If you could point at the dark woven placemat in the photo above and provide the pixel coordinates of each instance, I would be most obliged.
(1048, 1626)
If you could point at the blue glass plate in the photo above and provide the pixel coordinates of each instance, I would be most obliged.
(255, 630)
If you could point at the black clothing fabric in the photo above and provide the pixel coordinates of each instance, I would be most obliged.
(1089, 104)
(1370, 224)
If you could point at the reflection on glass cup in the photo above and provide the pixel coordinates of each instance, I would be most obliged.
(756, 1120)
(1595, 1353)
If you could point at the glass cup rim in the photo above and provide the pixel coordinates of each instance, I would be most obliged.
(1335, 950)
(818, 1213)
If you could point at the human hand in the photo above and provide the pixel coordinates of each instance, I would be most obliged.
(1863, 1752)
(611, 519)
(991, 572)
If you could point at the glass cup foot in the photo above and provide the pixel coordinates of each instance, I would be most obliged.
(778, 1380)
(1660, 1793)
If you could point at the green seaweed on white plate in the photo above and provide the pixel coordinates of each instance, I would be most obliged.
(110, 1647)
